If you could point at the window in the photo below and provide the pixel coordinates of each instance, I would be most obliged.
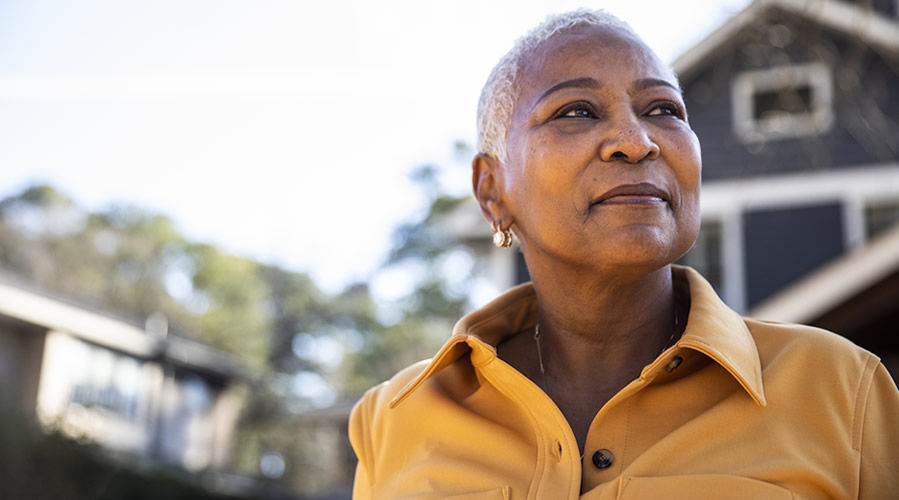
(881, 217)
(105, 380)
(783, 102)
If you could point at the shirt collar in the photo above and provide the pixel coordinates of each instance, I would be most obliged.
(720, 333)
(712, 329)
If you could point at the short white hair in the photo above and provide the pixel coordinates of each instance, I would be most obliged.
(501, 90)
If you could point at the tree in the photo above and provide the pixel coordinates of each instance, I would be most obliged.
(135, 264)
(439, 297)
(308, 348)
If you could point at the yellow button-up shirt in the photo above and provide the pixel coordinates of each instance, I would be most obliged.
(736, 409)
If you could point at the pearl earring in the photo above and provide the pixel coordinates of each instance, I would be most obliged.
(502, 238)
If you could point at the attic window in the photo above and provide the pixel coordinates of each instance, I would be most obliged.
(783, 102)
(772, 104)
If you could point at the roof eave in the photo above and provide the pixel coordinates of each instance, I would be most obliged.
(53, 315)
(834, 283)
(873, 28)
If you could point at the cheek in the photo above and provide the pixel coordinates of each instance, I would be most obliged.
(687, 163)
(697, 168)
(688, 170)
(541, 165)
(695, 153)
(690, 190)
(690, 218)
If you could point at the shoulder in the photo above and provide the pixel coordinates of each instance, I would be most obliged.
(802, 343)
(814, 352)
(805, 363)
(378, 397)
(371, 406)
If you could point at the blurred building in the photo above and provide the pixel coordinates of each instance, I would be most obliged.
(137, 393)
(796, 105)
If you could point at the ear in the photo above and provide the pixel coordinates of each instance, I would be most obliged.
(486, 182)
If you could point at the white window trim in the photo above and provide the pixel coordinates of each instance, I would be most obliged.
(746, 84)
(727, 201)
(733, 276)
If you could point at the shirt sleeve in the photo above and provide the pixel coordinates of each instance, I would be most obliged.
(361, 486)
(878, 477)
(359, 432)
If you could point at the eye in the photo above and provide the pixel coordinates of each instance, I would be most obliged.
(576, 110)
(666, 109)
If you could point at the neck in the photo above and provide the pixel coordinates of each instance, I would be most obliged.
(616, 324)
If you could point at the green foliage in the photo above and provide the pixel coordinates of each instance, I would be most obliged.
(135, 263)
(236, 317)
(391, 349)
(431, 310)
(423, 239)
(115, 260)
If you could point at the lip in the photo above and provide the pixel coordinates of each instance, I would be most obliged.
(644, 193)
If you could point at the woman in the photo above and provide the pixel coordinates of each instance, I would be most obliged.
(615, 374)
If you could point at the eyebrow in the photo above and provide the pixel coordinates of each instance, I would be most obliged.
(647, 83)
(592, 83)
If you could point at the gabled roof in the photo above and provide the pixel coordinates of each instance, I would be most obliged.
(835, 283)
(874, 28)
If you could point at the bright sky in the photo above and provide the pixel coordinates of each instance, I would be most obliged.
(279, 129)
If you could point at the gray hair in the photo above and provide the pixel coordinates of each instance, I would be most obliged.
(501, 90)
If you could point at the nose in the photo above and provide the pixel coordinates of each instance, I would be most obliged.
(628, 142)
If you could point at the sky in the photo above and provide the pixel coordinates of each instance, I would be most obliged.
(281, 130)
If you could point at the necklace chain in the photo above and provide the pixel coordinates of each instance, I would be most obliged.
(538, 343)
(539, 351)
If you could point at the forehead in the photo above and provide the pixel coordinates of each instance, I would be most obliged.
(601, 52)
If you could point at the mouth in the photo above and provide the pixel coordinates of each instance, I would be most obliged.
(633, 194)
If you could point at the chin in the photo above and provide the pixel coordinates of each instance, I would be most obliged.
(640, 250)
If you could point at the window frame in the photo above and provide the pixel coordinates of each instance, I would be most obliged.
(747, 84)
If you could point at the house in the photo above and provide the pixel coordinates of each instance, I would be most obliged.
(136, 392)
(796, 105)
(856, 294)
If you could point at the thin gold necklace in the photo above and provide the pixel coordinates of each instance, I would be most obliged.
(537, 342)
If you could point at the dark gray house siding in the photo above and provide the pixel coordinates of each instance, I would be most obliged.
(796, 105)
(784, 244)
(885, 7)
(865, 106)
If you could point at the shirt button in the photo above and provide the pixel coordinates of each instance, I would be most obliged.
(673, 364)
(603, 459)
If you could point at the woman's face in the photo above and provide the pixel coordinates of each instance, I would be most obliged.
(603, 168)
